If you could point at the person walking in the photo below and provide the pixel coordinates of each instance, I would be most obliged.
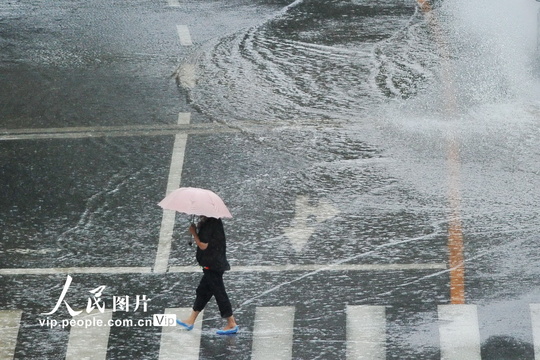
(209, 236)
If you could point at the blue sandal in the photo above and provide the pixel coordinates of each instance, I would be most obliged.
(232, 331)
(186, 326)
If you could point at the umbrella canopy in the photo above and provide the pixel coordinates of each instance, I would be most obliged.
(195, 201)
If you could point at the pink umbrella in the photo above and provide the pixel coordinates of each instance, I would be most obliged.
(195, 201)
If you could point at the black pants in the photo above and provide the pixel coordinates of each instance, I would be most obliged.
(212, 285)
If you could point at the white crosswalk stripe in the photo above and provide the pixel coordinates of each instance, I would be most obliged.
(177, 343)
(89, 342)
(9, 328)
(366, 332)
(459, 332)
(273, 333)
(535, 320)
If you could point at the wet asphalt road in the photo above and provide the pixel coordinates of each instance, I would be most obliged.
(90, 201)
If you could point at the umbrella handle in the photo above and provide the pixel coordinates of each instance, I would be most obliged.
(191, 222)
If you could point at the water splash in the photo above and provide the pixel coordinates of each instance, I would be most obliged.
(312, 60)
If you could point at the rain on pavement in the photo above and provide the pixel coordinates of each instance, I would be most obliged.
(380, 160)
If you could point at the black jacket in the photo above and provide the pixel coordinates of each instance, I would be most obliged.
(214, 257)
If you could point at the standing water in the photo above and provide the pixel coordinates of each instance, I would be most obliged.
(384, 80)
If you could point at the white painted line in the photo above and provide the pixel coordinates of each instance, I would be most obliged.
(9, 330)
(321, 267)
(535, 320)
(165, 240)
(366, 332)
(175, 174)
(186, 76)
(459, 333)
(184, 35)
(112, 131)
(192, 269)
(68, 129)
(174, 3)
(75, 270)
(306, 219)
(184, 118)
(177, 343)
(89, 342)
(177, 158)
(273, 333)
(7, 134)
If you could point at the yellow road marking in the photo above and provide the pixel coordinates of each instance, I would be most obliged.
(455, 231)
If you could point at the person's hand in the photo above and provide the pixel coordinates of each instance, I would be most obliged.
(193, 230)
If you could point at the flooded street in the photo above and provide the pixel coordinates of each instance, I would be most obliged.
(380, 159)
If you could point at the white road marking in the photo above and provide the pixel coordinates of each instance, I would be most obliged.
(9, 330)
(89, 342)
(321, 267)
(177, 343)
(186, 76)
(184, 35)
(459, 332)
(76, 270)
(165, 240)
(186, 72)
(174, 3)
(306, 219)
(169, 216)
(254, 268)
(137, 130)
(535, 319)
(112, 131)
(273, 333)
(366, 332)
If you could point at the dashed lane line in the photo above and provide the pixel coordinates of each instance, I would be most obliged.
(173, 3)
(184, 35)
(186, 73)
